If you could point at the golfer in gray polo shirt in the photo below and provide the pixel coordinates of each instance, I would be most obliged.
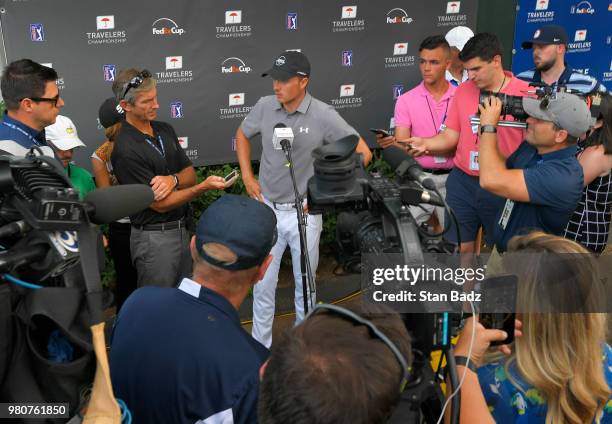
(314, 123)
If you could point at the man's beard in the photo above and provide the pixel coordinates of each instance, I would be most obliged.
(545, 66)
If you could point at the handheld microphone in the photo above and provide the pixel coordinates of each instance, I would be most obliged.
(106, 205)
(283, 137)
(404, 164)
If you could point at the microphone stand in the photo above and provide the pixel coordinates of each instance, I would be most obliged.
(307, 277)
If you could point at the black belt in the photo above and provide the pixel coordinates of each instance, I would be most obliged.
(438, 171)
(162, 226)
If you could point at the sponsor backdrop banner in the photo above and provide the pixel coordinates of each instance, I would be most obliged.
(589, 31)
(208, 56)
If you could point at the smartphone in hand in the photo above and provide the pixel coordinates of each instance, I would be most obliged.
(380, 131)
(231, 178)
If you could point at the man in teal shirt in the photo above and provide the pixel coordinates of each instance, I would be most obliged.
(63, 137)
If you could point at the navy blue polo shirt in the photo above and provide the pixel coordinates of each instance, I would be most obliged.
(554, 182)
(570, 78)
(16, 138)
(179, 355)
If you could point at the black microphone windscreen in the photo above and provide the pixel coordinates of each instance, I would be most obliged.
(280, 125)
(116, 202)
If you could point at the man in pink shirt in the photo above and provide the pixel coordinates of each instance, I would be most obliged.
(422, 112)
(472, 205)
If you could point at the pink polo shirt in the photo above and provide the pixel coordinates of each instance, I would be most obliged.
(465, 106)
(418, 111)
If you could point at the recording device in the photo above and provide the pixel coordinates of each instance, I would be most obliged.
(231, 175)
(40, 214)
(380, 131)
(499, 322)
(511, 105)
(282, 139)
(499, 304)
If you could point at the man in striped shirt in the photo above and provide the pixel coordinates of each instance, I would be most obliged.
(549, 46)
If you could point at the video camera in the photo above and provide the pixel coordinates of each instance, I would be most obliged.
(513, 105)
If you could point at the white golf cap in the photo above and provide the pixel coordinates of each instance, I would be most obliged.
(458, 36)
(63, 134)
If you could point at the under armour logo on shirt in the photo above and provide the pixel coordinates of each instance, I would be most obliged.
(304, 130)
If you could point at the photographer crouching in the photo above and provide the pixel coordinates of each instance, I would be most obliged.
(542, 180)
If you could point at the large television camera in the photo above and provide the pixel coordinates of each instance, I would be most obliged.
(375, 218)
(50, 289)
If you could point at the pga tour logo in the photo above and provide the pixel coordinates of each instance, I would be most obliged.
(580, 35)
(105, 22)
(233, 17)
(36, 32)
(109, 72)
(541, 5)
(453, 7)
(347, 58)
(176, 110)
(292, 21)
(236, 99)
(349, 12)
(174, 62)
(183, 142)
(347, 90)
(400, 49)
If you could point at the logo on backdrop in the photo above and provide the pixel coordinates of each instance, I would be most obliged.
(400, 58)
(233, 144)
(183, 142)
(233, 27)
(234, 65)
(291, 23)
(398, 16)
(106, 33)
(580, 44)
(37, 32)
(582, 8)
(452, 17)
(174, 72)
(236, 108)
(176, 110)
(347, 98)
(166, 26)
(398, 89)
(110, 71)
(348, 20)
(59, 81)
(607, 76)
(347, 58)
(541, 12)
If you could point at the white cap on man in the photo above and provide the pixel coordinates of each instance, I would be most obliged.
(63, 134)
(458, 36)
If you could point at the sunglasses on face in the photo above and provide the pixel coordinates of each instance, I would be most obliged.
(136, 81)
(52, 100)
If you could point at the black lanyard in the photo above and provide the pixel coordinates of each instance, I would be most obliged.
(162, 152)
(433, 121)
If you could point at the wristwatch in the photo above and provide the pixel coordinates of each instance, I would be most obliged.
(176, 181)
(462, 360)
(488, 129)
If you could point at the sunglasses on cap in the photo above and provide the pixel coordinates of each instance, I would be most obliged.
(136, 82)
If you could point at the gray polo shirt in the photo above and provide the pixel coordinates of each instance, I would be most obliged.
(314, 123)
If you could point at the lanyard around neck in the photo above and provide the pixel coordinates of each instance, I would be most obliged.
(22, 131)
(161, 150)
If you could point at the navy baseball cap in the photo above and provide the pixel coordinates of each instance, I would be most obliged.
(289, 64)
(245, 226)
(548, 34)
(110, 113)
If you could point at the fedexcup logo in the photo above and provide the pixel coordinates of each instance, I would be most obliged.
(398, 16)
(166, 26)
(234, 65)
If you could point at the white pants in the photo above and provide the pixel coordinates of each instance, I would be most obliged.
(423, 212)
(264, 292)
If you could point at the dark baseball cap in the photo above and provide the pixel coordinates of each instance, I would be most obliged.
(110, 112)
(548, 34)
(245, 226)
(289, 64)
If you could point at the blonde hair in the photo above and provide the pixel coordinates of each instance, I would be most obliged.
(124, 78)
(560, 354)
(112, 131)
